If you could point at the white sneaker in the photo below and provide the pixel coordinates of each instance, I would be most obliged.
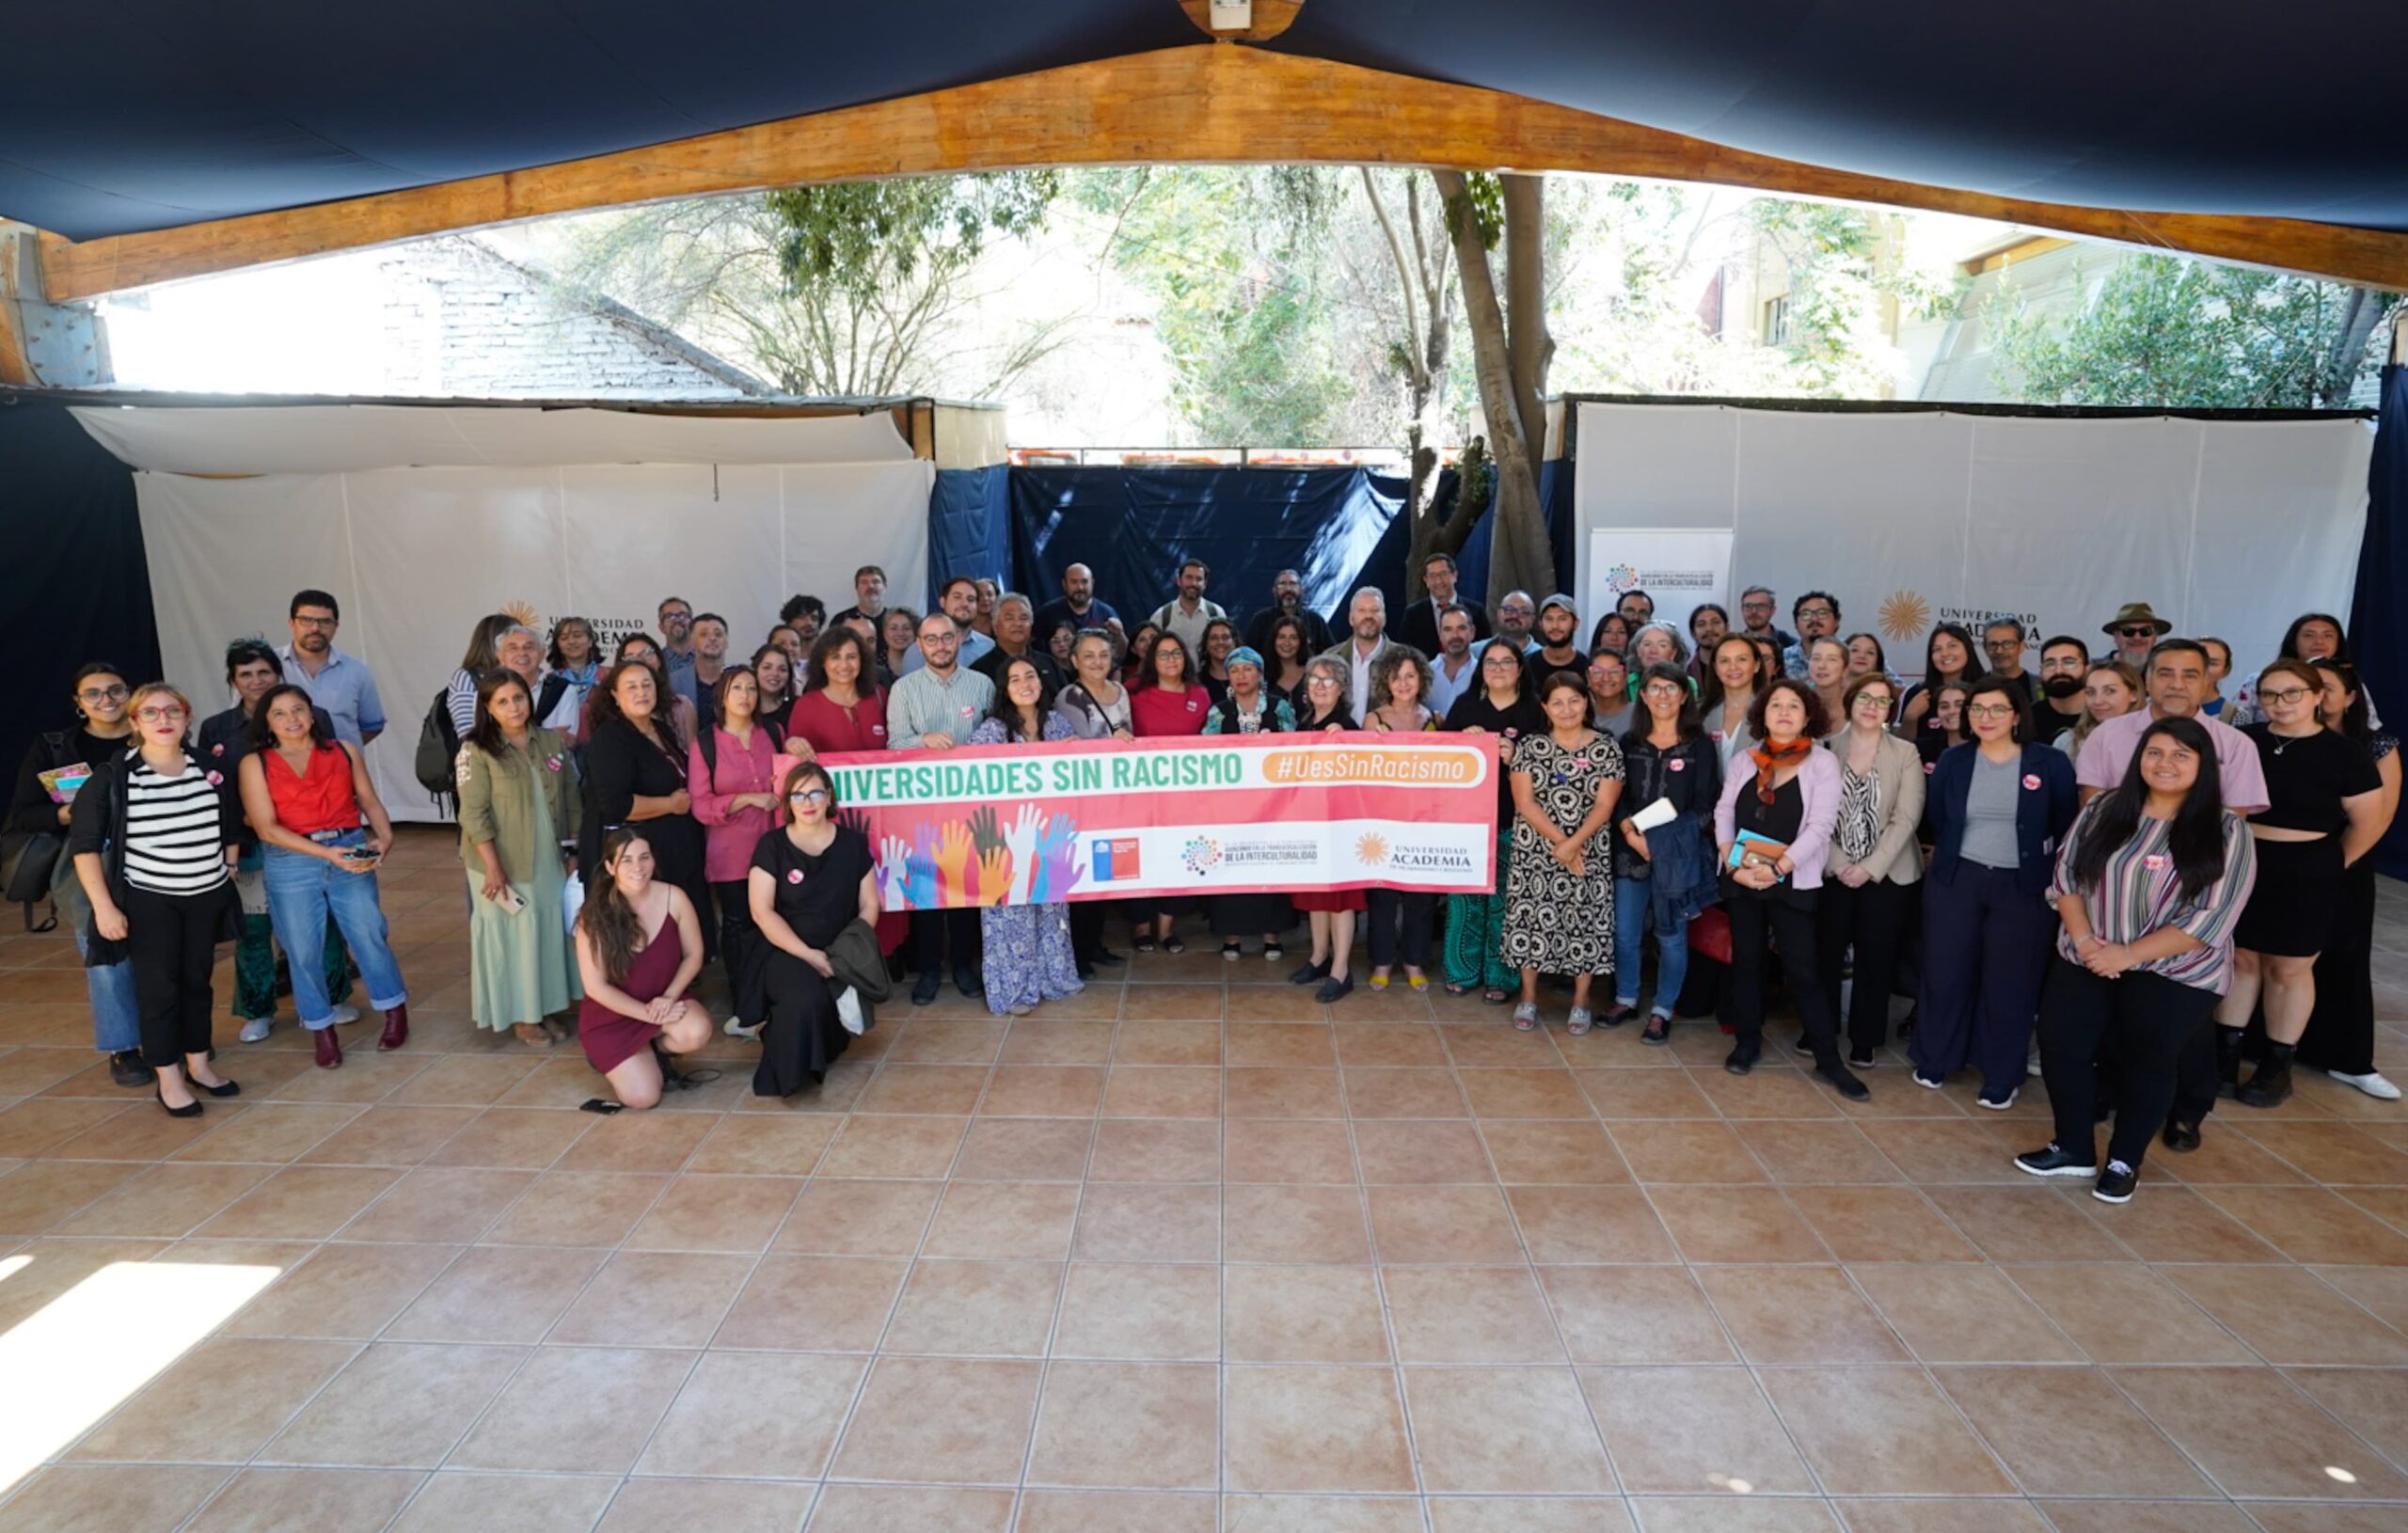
(345, 1014)
(735, 1029)
(2372, 1083)
(255, 1031)
(2032, 1060)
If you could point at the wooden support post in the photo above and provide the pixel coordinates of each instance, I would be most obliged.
(43, 344)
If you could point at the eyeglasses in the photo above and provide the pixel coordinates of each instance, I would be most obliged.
(2287, 696)
(103, 694)
(166, 713)
(1817, 612)
(1872, 699)
(1990, 710)
(809, 796)
(1663, 688)
(317, 622)
(2136, 630)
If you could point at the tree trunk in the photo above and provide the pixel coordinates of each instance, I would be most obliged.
(2360, 315)
(1519, 558)
(1529, 346)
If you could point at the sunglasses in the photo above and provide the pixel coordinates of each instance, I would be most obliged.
(2137, 630)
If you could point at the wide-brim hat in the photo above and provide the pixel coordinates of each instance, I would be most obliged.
(2134, 613)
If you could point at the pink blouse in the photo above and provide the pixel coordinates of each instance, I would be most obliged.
(730, 835)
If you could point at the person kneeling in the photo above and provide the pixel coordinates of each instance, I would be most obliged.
(811, 878)
(639, 946)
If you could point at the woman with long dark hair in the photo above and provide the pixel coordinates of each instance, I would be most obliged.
(1735, 673)
(1166, 701)
(484, 655)
(1329, 912)
(1026, 955)
(2149, 886)
(1560, 899)
(898, 636)
(2339, 1039)
(322, 832)
(732, 772)
(1772, 834)
(635, 774)
(810, 879)
(2324, 814)
(2311, 637)
(1949, 654)
(773, 673)
(1285, 661)
(1498, 706)
(1213, 666)
(519, 806)
(1663, 875)
(639, 947)
(1869, 888)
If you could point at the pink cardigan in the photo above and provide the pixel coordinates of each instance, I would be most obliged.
(1818, 783)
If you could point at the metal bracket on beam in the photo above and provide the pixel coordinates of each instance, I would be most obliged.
(43, 344)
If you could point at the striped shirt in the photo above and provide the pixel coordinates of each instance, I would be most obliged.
(175, 836)
(2140, 891)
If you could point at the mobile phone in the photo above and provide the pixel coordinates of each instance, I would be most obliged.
(511, 899)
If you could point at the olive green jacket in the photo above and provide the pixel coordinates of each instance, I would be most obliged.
(494, 805)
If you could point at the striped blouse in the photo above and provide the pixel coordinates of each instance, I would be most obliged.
(2140, 891)
(175, 833)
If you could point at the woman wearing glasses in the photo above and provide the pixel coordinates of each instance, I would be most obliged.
(153, 842)
(2339, 1039)
(100, 733)
(1665, 876)
(809, 881)
(1328, 912)
(1999, 805)
(2324, 812)
(1499, 706)
(1868, 893)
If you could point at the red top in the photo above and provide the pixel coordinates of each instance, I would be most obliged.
(1153, 711)
(318, 799)
(830, 729)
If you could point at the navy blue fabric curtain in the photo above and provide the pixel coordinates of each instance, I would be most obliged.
(75, 576)
(2378, 622)
(970, 529)
(1134, 526)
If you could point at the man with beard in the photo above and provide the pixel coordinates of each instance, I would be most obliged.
(1421, 620)
(678, 645)
(1288, 601)
(1817, 616)
(1515, 615)
(1366, 620)
(869, 596)
(1078, 606)
(805, 616)
(708, 660)
(2003, 641)
(958, 601)
(1559, 640)
(1453, 672)
(1188, 615)
(1636, 607)
(1013, 630)
(2136, 630)
(340, 683)
(1757, 604)
(2065, 660)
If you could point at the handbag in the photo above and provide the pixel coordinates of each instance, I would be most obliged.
(29, 860)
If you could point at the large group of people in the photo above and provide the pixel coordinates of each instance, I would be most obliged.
(2098, 868)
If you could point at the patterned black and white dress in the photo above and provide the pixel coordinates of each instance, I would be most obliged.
(1556, 923)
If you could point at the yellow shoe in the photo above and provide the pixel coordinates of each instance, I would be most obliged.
(1379, 982)
(1419, 982)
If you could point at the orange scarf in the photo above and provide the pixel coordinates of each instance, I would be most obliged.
(1768, 756)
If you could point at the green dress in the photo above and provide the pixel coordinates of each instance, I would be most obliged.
(522, 968)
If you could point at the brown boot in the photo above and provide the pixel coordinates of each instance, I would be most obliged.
(330, 1049)
(397, 1028)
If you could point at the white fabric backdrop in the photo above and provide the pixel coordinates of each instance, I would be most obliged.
(2231, 528)
(416, 555)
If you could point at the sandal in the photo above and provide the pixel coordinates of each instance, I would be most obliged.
(1578, 1022)
(1273, 952)
(1453, 989)
(1378, 981)
(1174, 945)
(1143, 944)
(1525, 1015)
(1496, 997)
(1418, 981)
(1658, 1030)
(1232, 950)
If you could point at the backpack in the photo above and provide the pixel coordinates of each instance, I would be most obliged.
(438, 750)
(29, 858)
(707, 738)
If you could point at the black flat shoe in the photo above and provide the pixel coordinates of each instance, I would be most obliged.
(1743, 1058)
(189, 1110)
(1105, 958)
(1658, 1030)
(127, 1070)
(1334, 989)
(2181, 1137)
(2055, 1161)
(1309, 972)
(223, 1088)
(1838, 1076)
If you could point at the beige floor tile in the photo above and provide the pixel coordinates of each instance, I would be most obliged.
(1497, 1431)
(1043, 1091)
(940, 1421)
(1112, 1310)
(1293, 1224)
(74, 1498)
(1737, 1224)
(1115, 1511)
(270, 1132)
(1803, 1152)
(1170, 1043)
(33, 1126)
(977, 1309)
(1627, 1094)
(1693, 1432)
(165, 1202)
(859, 1218)
(1474, 1315)
(390, 1136)
(660, 1505)
(1634, 1315)
(2372, 1402)
(498, 1294)
(1282, 1045)
(1536, 1093)
(1494, 1042)
(1279, 1091)
(1314, 1429)
(1937, 1514)
(760, 1415)
(2176, 1223)
(2310, 1224)
(1684, 1150)
(655, 1142)
(1005, 1221)
(1963, 1314)
(39, 1194)
(947, 1040)
(1137, 1426)
(1525, 1514)
(1799, 1315)
(1156, 1150)
(1388, 1043)
(951, 1090)
(397, 1406)
(2256, 1435)
(523, 1138)
(466, 1080)
(895, 1146)
(218, 1404)
(2026, 1224)
(272, 1500)
(342, 1293)
(2287, 1317)
(1880, 1224)
(1456, 1226)
(2334, 1154)
(1035, 1041)
(1163, 1091)
(471, 1503)
(1149, 1222)
(1152, 1003)
(1287, 1150)
(576, 1410)
(441, 1206)
(300, 1203)
(717, 1214)
(2065, 1432)
(2125, 1313)
(1024, 1149)
(1404, 1091)
(764, 1146)
(810, 1304)
(1767, 1093)
(898, 1508)
(2149, 1517)
(1615, 1225)
(146, 1135)
(1303, 1315)
(1880, 1431)
(654, 1299)
(1559, 1151)
(2384, 1290)
(51, 1268)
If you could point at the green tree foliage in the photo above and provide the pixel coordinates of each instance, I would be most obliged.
(865, 237)
(1838, 284)
(2166, 331)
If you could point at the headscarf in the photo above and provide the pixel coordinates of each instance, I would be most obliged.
(1243, 655)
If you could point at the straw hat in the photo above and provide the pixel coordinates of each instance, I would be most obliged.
(2136, 612)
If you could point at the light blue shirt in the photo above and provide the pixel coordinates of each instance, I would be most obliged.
(1444, 692)
(344, 688)
(975, 646)
(923, 704)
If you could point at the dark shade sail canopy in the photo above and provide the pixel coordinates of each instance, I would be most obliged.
(125, 116)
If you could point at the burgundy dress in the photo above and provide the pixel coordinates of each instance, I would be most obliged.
(611, 1039)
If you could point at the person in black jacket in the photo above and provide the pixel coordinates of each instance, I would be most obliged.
(103, 730)
(1420, 627)
(635, 774)
(1666, 755)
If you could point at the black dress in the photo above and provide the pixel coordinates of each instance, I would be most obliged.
(816, 897)
(621, 764)
(2340, 1031)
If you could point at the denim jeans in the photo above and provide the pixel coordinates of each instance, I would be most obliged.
(117, 1026)
(302, 891)
(1634, 920)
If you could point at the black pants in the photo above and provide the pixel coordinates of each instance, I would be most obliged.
(1417, 914)
(1759, 918)
(1087, 928)
(1872, 921)
(742, 948)
(1985, 953)
(172, 942)
(2143, 1021)
(929, 929)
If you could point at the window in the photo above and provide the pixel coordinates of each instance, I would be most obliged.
(1777, 321)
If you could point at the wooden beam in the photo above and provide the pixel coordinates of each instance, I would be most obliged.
(1208, 104)
(1271, 18)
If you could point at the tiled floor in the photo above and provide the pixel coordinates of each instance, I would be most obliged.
(1186, 1253)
